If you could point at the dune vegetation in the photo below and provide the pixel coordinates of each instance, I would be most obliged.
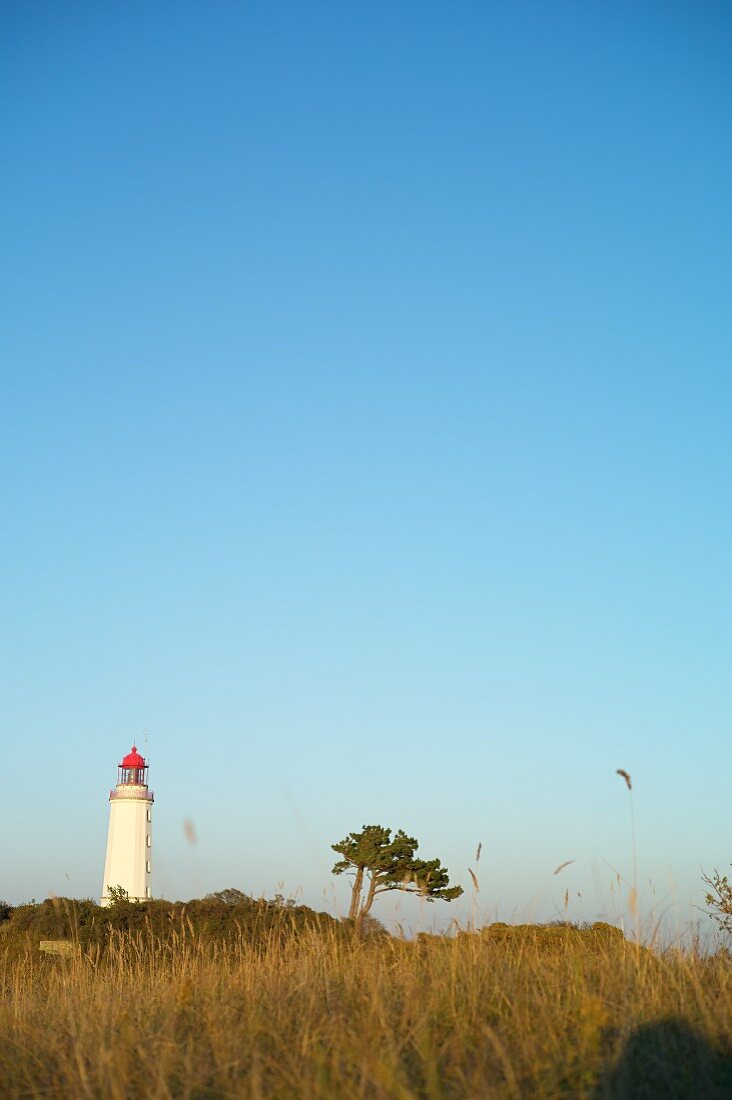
(253, 999)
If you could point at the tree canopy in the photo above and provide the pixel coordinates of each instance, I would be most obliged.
(380, 862)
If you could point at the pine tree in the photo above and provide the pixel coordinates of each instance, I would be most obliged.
(380, 863)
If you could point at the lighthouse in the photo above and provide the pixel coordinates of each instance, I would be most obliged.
(129, 841)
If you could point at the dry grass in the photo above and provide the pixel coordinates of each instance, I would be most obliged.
(320, 1016)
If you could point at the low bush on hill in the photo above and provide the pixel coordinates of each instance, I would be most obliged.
(216, 918)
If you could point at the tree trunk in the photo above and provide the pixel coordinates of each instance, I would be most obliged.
(356, 889)
(370, 896)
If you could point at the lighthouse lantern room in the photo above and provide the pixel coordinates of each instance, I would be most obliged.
(129, 842)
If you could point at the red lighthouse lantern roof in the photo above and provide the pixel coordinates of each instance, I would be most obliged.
(133, 759)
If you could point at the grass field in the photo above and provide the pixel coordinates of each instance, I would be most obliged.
(504, 1013)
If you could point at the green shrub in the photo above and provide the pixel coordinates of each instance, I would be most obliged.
(207, 920)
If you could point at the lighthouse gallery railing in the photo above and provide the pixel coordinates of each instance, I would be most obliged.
(141, 793)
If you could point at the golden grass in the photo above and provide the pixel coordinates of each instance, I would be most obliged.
(322, 1016)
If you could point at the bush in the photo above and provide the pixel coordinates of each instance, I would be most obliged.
(207, 920)
(560, 934)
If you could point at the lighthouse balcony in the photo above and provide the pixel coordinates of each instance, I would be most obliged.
(132, 790)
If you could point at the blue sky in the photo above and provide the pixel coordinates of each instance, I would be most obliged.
(365, 423)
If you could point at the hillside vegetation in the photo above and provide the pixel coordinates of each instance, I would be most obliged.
(292, 1004)
(210, 920)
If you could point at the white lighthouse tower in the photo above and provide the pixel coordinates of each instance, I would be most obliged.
(129, 841)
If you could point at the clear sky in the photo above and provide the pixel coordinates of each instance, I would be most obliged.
(366, 438)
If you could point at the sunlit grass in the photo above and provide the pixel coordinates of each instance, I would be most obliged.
(507, 1013)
